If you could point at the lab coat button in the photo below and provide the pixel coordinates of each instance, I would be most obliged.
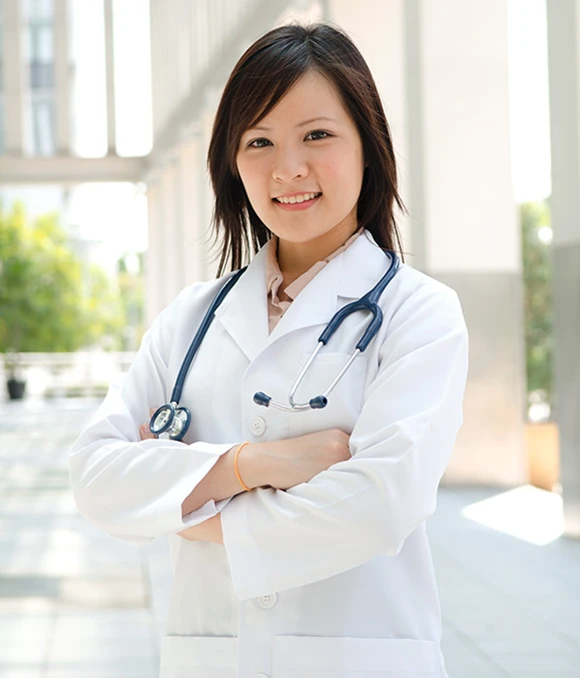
(257, 426)
(267, 601)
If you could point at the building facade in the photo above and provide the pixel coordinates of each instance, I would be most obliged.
(443, 74)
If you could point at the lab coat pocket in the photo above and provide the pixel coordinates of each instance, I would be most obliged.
(200, 656)
(330, 657)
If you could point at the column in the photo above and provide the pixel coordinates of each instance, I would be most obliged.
(110, 79)
(62, 76)
(442, 69)
(171, 229)
(471, 230)
(193, 253)
(154, 260)
(13, 77)
(563, 31)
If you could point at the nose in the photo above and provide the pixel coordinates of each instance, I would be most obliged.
(289, 164)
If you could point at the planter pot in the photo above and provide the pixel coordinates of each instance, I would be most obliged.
(16, 388)
(543, 454)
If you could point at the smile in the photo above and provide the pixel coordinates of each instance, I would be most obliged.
(299, 202)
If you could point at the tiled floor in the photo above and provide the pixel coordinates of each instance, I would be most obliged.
(76, 603)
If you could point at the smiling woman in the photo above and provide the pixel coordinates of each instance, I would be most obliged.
(306, 554)
(296, 122)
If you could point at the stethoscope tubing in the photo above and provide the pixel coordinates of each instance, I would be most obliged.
(166, 415)
(368, 302)
(202, 331)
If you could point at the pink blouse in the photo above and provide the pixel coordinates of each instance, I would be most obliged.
(274, 279)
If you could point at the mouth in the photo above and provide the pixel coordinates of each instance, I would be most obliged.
(302, 203)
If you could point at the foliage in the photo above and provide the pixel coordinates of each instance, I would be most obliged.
(538, 311)
(50, 300)
(131, 288)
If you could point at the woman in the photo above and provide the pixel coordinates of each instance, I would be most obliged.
(298, 539)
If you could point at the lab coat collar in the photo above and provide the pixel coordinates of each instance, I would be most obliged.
(363, 264)
(244, 312)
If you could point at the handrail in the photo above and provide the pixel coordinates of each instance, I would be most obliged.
(82, 373)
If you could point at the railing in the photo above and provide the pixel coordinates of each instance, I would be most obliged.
(80, 374)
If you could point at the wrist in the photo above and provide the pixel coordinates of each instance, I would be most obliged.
(256, 465)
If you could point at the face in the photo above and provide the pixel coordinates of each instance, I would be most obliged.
(307, 144)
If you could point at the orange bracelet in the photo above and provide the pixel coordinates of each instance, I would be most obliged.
(236, 466)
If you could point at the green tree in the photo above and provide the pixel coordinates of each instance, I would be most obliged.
(131, 287)
(49, 299)
(538, 310)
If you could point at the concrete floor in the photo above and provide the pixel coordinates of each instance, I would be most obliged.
(76, 603)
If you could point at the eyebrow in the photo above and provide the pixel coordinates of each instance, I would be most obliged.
(300, 124)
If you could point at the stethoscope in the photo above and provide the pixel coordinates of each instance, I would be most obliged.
(172, 421)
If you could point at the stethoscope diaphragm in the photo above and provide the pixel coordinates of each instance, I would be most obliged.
(170, 421)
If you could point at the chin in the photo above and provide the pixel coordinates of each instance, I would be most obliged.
(298, 235)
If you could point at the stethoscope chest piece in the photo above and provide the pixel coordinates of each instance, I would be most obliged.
(170, 421)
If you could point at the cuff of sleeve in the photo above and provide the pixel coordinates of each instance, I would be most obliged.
(205, 512)
(243, 553)
(212, 452)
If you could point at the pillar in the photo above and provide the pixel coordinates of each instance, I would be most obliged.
(563, 31)
(442, 71)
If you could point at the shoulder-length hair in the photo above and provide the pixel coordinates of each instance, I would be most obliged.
(262, 76)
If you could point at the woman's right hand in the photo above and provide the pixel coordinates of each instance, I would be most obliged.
(286, 463)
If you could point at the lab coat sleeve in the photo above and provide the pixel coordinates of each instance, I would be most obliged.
(133, 489)
(400, 446)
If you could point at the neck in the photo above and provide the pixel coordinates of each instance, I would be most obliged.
(295, 258)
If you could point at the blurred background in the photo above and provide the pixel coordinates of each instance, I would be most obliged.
(106, 108)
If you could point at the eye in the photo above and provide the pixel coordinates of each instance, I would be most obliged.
(251, 144)
(257, 143)
(318, 131)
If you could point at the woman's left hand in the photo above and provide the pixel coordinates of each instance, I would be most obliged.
(209, 530)
(144, 430)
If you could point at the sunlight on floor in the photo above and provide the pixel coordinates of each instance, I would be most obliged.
(526, 513)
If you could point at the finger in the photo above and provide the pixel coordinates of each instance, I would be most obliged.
(145, 433)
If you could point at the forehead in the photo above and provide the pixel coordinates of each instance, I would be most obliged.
(312, 96)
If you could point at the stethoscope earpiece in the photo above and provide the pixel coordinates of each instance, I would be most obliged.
(369, 302)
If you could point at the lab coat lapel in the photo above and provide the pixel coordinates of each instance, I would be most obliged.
(244, 312)
(314, 305)
(348, 276)
(363, 264)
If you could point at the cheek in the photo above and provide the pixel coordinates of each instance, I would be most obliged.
(252, 176)
(343, 173)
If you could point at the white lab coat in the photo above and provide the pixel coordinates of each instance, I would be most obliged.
(332, 578)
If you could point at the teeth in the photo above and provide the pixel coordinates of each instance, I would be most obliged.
(297, 198)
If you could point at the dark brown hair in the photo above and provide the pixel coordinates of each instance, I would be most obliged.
(262, 76)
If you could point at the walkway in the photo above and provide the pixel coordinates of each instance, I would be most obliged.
(75, 603)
